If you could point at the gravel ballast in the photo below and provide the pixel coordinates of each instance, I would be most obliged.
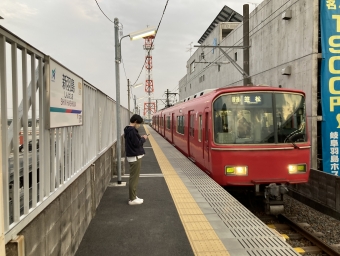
(318, 221)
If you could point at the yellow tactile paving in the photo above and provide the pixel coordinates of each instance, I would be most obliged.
(202, 234)
(221, 253)
(193, 218)
(202, 237)
(188, 211)
(299, 250)
(208, 245)
(196, 226)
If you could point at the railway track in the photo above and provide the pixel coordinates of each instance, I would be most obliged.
(297, 234)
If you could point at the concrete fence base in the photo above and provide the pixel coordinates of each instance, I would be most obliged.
(115, 167)
(60, 227)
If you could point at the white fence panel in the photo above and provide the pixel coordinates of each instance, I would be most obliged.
(38, 164)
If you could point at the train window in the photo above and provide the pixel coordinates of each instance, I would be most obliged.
(290, 118)
(192, 121)
(200, 128)
(168, 122)
(180, 124)
(206, 127)
(259, 117)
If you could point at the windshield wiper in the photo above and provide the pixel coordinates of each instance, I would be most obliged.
(295, 146)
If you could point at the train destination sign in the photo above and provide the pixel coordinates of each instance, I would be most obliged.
(247, 99)
(66, 97)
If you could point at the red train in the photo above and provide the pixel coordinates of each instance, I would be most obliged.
(243, 136)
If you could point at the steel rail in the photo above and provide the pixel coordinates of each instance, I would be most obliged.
(315, 240)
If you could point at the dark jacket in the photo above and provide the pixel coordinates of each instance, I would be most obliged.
(133, 142)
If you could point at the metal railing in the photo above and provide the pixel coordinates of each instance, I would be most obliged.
(56, 157)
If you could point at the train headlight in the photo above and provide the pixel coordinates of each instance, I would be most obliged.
(236, 170)
(297, 168)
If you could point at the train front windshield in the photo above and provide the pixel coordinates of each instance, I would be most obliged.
(259, 118)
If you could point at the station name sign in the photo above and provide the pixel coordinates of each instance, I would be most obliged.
(66, 97)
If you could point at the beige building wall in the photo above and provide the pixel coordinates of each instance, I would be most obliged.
(275, 44)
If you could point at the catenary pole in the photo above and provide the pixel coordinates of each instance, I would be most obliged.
(134, 109)
(246, 80)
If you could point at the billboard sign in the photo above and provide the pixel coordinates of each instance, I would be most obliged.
(66, 97)
(330, 84)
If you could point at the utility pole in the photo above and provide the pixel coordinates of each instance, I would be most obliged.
(246, 80)
(128, 84)
(134, 109)
(119, 132)
(2, 209)
(167, 97)
(157, 102)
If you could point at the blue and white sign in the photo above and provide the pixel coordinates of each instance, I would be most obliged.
(66, 97)
(330, 84)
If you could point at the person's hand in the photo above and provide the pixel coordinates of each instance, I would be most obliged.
(145, 136)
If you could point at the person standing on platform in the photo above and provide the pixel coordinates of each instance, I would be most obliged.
(134, 153)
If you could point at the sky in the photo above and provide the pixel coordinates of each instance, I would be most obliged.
(78, 35)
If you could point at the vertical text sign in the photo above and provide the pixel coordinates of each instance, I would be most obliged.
(330, 83)
(66, 94)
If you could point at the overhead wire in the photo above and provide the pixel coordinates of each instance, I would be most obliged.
(113, 23)
(131, 95)
(124, 68)
(103, 12)
(150, 46)
(261, 23)
(153, 40)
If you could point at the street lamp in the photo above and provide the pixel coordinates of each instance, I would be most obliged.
(133, 36)
(137, 85)
(143, 33)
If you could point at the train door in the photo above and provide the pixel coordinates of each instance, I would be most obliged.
(200, 136)
(164, 123)
(173, 127)
(206, 138)
(191, 134)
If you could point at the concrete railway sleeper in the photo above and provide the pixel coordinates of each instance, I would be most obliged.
(317, 245)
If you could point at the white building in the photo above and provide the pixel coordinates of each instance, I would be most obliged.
(283, 51)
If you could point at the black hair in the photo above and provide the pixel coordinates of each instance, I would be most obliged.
(136, 118)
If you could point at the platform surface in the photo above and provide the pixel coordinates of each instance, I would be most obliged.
(184, 213)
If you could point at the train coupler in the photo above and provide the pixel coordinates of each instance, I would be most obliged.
(274, 198)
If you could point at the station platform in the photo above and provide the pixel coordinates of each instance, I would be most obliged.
(184, 213)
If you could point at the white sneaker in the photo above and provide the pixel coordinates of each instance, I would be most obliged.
(140, 199)
(135, 202)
